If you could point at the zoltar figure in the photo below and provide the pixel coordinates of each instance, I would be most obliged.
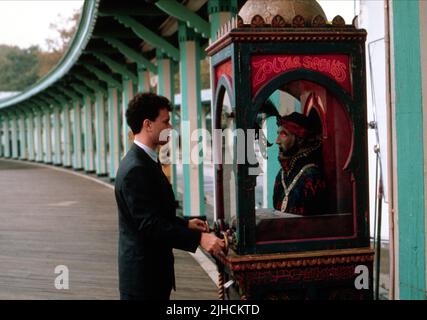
(300, 185)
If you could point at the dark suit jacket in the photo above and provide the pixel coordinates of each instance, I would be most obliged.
(148, 227)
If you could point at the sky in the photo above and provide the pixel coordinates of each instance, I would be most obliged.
(26, 22)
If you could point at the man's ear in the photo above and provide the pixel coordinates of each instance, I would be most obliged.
(146, 124)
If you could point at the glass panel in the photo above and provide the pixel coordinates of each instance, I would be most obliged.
(310, 195)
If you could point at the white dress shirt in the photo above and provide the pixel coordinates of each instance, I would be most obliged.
(148, 150)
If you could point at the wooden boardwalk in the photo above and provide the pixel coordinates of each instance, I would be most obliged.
(50, 218)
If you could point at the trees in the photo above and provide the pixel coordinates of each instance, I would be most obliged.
(18, 67)
(56, 46)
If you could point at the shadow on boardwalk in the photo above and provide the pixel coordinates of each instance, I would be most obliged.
(50, 218)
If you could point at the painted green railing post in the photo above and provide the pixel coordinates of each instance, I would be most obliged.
(77, 137)
(14, 133)
(113, 130)
(6, 134)
(57, 135)
(66, 131)
(1, 136)
(101, 154)
(47, 135)
(127, 95)
(38, 135)
(143, 79)
(30, 134)
(220, 12)
(92, 87)
(23, 152)
(88, 135)
(166, 88)
(192, 152)
(113, 108)
(408, 75)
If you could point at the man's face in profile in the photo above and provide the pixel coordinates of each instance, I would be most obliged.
(286, 142)
(161, 127)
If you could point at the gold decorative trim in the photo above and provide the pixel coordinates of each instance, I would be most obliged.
(292, 260)
(241, 35)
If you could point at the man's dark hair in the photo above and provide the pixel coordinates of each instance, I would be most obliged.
(145, 105)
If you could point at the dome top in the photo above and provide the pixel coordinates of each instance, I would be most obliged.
(281, 12)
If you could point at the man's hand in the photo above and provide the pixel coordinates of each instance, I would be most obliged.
(197, 224)
(212, 243)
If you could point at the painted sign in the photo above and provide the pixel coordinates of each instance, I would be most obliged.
(266, 67)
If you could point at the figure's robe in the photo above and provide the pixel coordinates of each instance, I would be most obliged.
(304, 180)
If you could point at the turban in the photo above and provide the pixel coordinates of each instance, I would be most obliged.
(297, 124)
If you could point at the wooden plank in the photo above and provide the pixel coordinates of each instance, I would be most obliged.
(51, 218)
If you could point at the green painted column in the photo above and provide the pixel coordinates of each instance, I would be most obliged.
(88, 136)
(66, 133)
(192, 153)
(38, 135)
(166, 88)
(101, 148)
(410, 207)
(271, 164)
(220, 12)
(1, 136)
(77, 137)
(30, 136)
(47, 131)
(127, 95)
(113, 131)
(14, 133)
(143, 79)
(57, 135)
(6, 136)
(23, 152)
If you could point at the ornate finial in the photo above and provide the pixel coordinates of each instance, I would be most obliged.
(355, 21)
(318, 21)
(257, 21)
(338, 21)
(298, 21)
(278, 22)
(239, 21)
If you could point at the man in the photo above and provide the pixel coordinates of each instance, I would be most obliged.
(148, 226)
(299, 186)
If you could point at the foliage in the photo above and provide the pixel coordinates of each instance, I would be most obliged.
(18, 67)
(65, 30)
(58, 45)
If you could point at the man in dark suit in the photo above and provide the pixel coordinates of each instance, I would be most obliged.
(148, 225)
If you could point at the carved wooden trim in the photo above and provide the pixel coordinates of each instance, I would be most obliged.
(278, 22)
(318, 21)
(241, 35)
(306, 259)
(298, 21)
(257, 21)
(338, 21)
